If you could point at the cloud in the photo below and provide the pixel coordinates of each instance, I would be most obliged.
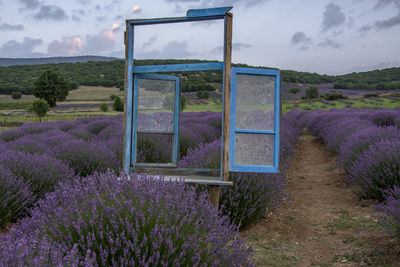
(83, 2)
(100, 43)
(9, 27)
(300, 40)
(379, 66)
(75, 18)
(30, 4)
(235, 47)
(101, 18)
(20, 49)
(173, 49)
(136, 9)
(388, 23)
(217, 3)
(330, 43)
(97, 7)
(299, 37)
(391, 22)
(80, 12)
(67, 46)
(333, 17)
(363, 30)
(51, 13)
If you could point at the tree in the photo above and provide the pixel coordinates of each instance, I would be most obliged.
(16, 95)
(294, 90)
(51, 87)
(40, 107)
(312, 92)
(118, 105)
(104, 107)
(203, 94)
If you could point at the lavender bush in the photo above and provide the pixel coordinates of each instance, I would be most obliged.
(86, 158)
(108, 220)
(354, 145)
(15, 197)
(41, 171)
(389, 211)
(377, 169)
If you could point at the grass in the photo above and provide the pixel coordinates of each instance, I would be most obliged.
(93, 93)
(382, 102)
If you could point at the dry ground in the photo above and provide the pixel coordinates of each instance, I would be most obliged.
(322, 223)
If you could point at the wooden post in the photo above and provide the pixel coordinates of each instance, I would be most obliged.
(216, 190)
(125, 92)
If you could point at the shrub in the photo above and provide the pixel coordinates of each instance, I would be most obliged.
(377, 169)
(389, 211)
(205, 156)
(15, 197)
(86, 158)
(40, 107)
(383, 118)
(16, 95)
(133, 222)
(118, 105)
(104, 107)
(251, 196)
(42, 172)
(203, 94)
(311, 92)
(113, 97)
(294, 90)
(355, 144)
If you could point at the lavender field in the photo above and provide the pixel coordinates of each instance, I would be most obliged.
(367, 145)
(64, 199)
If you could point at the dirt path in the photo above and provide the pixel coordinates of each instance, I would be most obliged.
(322, 223)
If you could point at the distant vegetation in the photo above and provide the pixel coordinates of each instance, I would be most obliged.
(111, 73)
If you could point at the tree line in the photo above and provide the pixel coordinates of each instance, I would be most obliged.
(20, 79)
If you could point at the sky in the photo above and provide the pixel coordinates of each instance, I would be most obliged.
(322, 36)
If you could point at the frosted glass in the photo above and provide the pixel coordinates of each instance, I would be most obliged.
(255, 96)
(254, 149)
(156, 104)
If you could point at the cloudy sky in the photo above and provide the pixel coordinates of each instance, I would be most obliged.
(323, 36)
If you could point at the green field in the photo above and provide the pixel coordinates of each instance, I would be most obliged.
(85, 101)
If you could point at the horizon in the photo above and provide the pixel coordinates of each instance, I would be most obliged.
(325, 37)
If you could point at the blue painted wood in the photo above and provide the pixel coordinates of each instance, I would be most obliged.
(178, 67)
(129, 96)
(206, 12)
(234, 130)
(173, 20)
(254, 131)
(139, 76)
(175, 155)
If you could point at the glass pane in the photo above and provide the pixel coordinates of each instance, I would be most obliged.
(154, 148)
(156, 103)
(254, 149)
(255, 96)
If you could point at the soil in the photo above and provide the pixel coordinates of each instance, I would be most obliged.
(322, 222)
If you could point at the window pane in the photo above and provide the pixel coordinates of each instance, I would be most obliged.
(156, 102)
(154, 148)
(255, 96)
(254, 149)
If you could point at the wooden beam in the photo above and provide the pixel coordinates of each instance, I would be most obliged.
(215, 191)
(125, 93)
(227, 95)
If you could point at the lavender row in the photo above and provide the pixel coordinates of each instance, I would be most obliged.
(167, 223)
(252, 195)
(367, 144)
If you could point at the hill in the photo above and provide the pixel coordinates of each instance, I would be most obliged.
(51, 60)
(111, 73)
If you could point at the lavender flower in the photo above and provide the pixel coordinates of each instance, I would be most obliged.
(128, 221)
(389, 211)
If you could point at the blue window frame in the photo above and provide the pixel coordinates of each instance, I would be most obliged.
(174, 130)
(255, 112)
